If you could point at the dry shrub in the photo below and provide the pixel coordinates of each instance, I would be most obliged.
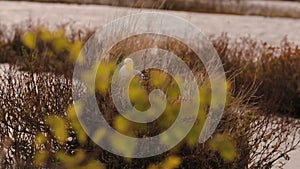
(275, 69)
(28, 100)
(29, 104)
(35, 48)
(39, 127)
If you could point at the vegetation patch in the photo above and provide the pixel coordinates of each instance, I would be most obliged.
(40, 129)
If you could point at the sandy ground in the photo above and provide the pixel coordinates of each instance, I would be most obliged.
(272, 30)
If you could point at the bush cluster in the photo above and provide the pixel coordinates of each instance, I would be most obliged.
(273, 69)
(39, 127)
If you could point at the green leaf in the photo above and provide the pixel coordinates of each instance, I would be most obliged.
(58, 127)
(29, 40)
(225, 145)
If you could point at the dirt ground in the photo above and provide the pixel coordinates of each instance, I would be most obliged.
(272, 30)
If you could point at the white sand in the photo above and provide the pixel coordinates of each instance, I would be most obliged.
(272, 30)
